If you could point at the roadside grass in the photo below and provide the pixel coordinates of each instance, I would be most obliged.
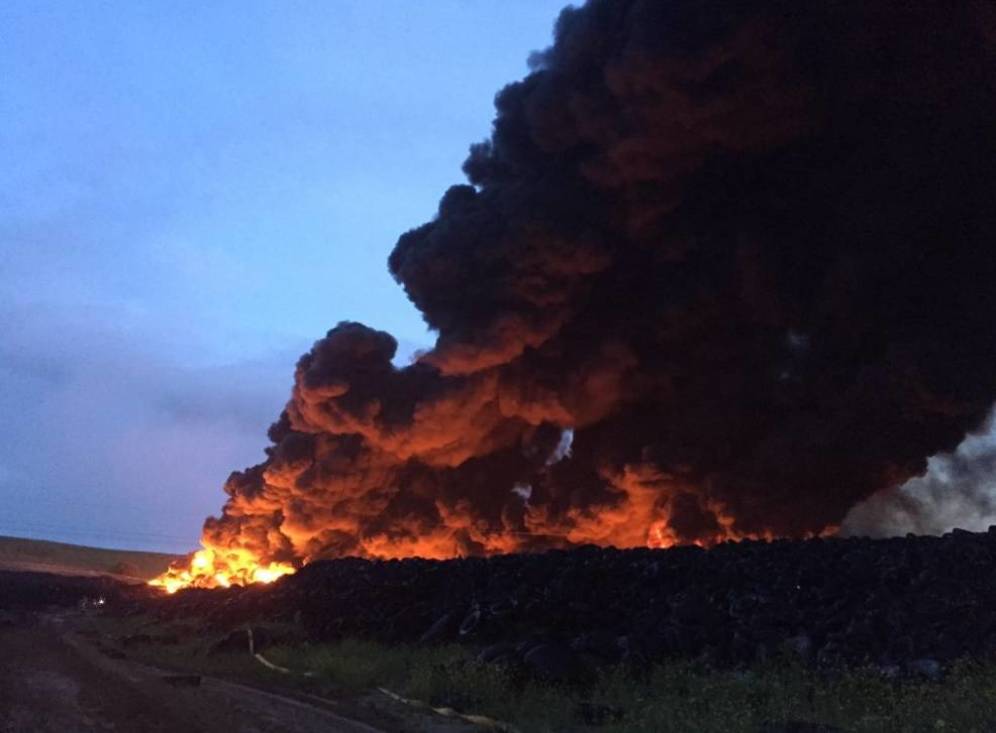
(180, 647)
(673, 697)
(676, 697)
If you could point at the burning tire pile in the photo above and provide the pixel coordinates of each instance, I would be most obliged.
(906, 604)
(719, 272)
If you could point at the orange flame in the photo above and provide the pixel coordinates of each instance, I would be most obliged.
(213, 568)
(642, 517)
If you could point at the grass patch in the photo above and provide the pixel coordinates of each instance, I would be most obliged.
(41, 555)
(177, 646)
(673, 697)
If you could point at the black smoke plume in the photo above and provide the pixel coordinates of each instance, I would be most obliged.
(738, 256)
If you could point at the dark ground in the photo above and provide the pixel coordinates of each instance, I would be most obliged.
(900, 609)
(908, 605)
(55, 680)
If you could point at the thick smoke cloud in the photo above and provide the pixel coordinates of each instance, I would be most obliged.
(742, 251)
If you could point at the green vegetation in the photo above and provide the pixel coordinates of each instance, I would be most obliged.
(178, 646)
(56, 557)
(671, 697)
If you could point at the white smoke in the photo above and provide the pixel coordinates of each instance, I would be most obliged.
(523, 490)
(563, 449)
(958, 490)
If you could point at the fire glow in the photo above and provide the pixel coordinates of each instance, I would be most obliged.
(715, 276)
(209, 568)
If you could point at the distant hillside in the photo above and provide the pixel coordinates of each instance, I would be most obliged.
(56, 557)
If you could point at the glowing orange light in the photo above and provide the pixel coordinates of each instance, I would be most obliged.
(220, 568)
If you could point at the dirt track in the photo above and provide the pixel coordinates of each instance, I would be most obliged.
(53, 681)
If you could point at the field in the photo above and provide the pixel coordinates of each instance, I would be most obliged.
(776, 697)
(56, 557)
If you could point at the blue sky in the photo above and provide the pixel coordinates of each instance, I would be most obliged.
(190, 194)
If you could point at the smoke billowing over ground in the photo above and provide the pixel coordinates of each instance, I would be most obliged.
(958, 490)
(721, 270)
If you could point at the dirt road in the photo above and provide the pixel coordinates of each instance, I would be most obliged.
(52, 680)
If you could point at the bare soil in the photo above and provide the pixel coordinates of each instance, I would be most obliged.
(55, 680)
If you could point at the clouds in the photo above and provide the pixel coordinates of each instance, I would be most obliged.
(108, 437)
(117, 433)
